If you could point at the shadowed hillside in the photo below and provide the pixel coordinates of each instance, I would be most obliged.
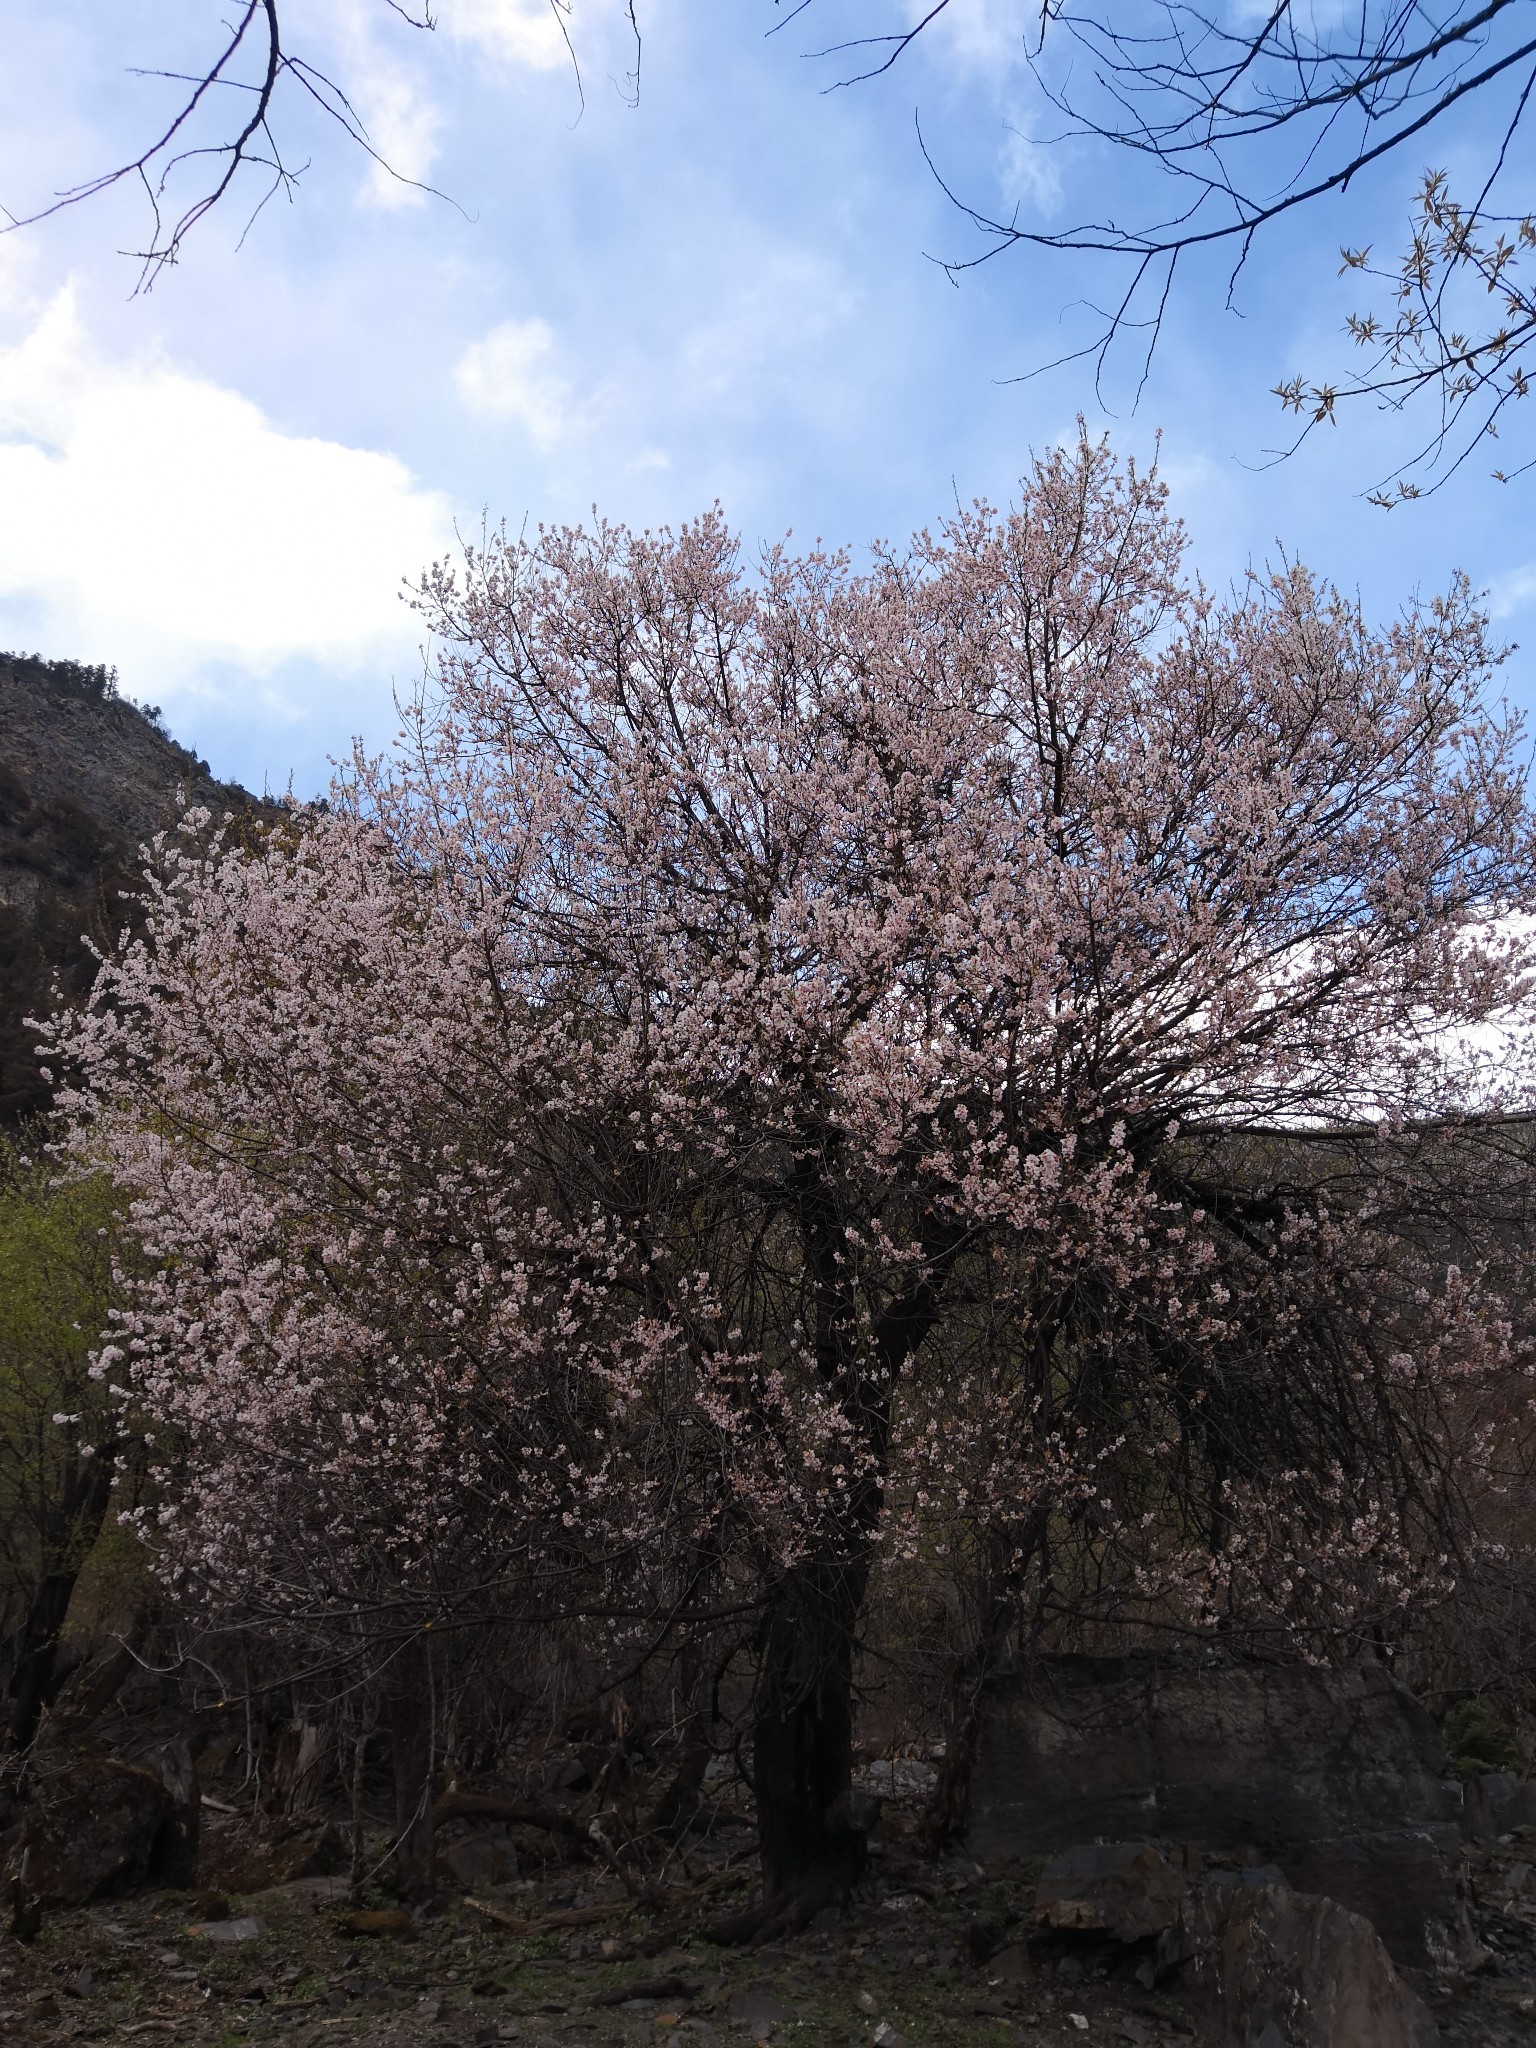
(85, 779)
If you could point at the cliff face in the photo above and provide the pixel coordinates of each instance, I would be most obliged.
(86, 778)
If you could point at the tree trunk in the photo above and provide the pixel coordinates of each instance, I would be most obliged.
(34, 1651)
(812, 1828)
(409, 1719)
(683, 1794)
(359, 1833)
(31, 1656)
(176, 1848)
(948, 1806)
(1001, 1593)
(809, 1820)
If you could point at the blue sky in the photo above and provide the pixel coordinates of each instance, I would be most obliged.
(727, 291)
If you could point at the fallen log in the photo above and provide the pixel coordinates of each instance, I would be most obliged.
(547, 1923)
(648, 1987)
(513, 1813)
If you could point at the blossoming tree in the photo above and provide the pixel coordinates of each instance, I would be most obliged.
(793, 1069)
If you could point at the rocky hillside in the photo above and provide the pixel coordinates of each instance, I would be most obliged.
(85, 779)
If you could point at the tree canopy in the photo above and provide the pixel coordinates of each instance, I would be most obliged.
(794, 1074)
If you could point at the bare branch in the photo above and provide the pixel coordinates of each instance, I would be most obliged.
(247, 144)
(1176, 88)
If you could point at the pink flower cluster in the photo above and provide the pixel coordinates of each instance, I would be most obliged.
(794, 1062)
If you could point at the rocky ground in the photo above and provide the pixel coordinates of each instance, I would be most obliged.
(285, 1967)
(958, 1961)
(521, 1945)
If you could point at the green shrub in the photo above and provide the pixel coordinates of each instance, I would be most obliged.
(1477, 1739)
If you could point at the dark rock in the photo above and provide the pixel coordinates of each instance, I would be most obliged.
(649, 1990)
(757, 2005)
(1338, 1777)
(245, 1928)
(1287, 1969)
(96, 1832)
(1495, 1803)
(996, 2006)
(983, 1938)
(489, 1858)
(239, 1861)
(1280, 1968)
(1011, 1965)
(1128, 1889)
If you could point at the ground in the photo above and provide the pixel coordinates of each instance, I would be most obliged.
(901, 1965)
(132, 1971)
(931, 1955)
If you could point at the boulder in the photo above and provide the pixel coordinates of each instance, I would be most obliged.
(1275, 1968)
(488, 1858)
(1495, 1803)
(1128, 1889)
(240, 1859)
(99, 1829)
(1337, 1777)
(1287, 1969)
(759, 2006)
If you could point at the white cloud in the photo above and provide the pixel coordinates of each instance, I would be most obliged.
(403, 126)
(1511, 593)
(1028, 173)
(987, 36)
(151, 513)
(506, 376)
(18, 275)
(771, 326)
(399, 117)
(385, 80)
(528, 32)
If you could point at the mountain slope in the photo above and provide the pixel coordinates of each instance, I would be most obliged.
(86, 778)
